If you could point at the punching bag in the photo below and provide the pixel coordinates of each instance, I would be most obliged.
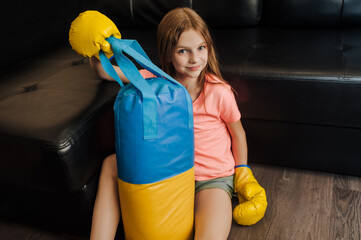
(154, 135)
(154, 148)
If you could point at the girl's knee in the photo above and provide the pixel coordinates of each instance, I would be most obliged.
(109, 166)
(213, 214)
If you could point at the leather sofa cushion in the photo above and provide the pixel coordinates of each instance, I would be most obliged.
(301, 75)
(51, 117)
(145, 14)
(301, 13)
(351, 13)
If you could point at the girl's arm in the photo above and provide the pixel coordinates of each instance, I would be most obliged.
(239, 142)
(97, 68)
(252, 197)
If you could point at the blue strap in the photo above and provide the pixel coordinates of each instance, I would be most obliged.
(150, 127)
(133, 48)
(108, 68)
(243, 165)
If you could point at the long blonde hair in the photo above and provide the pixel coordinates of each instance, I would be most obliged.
(173, 24)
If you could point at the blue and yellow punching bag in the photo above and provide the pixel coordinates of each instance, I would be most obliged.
(154, 135)
(155, 149)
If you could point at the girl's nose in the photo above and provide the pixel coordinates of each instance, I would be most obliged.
(193, 58)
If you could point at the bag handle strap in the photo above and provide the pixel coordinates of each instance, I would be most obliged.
(150, 126)
(132, 48)
(108, 68)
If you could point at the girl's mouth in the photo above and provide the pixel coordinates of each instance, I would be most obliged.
(195, 68)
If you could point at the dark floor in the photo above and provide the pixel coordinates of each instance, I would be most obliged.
(301, 205)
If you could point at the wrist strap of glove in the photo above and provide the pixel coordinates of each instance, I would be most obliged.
(242, 165)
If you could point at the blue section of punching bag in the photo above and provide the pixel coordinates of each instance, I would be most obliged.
(153, 121)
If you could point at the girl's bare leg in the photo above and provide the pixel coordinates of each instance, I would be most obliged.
(106, 213)
(213, 214)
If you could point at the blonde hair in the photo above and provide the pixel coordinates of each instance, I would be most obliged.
(173, 24)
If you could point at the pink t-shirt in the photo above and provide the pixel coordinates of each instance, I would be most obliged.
(214, 107)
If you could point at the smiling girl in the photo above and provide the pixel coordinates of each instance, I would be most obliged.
(187, 53)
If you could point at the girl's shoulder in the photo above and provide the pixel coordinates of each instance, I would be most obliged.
(211, 78)
(217, 84)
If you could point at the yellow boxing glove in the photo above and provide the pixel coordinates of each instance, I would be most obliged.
(88, 33)
(252, 197)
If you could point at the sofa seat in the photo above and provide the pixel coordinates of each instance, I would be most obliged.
(54, 122)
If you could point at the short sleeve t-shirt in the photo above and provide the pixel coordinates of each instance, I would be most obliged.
(214, 107)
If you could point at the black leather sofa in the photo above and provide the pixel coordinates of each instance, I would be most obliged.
(55, 119)
(295, 65)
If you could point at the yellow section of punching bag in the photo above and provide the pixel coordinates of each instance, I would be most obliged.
(88, 32)
(161, 210)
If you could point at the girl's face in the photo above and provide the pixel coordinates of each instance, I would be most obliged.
(190, 56)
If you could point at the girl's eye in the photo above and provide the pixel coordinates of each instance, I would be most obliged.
(202, 47)
(182, 51)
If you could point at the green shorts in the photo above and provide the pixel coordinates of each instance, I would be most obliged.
(225, 183)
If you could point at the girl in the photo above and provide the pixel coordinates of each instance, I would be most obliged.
(186, 53)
